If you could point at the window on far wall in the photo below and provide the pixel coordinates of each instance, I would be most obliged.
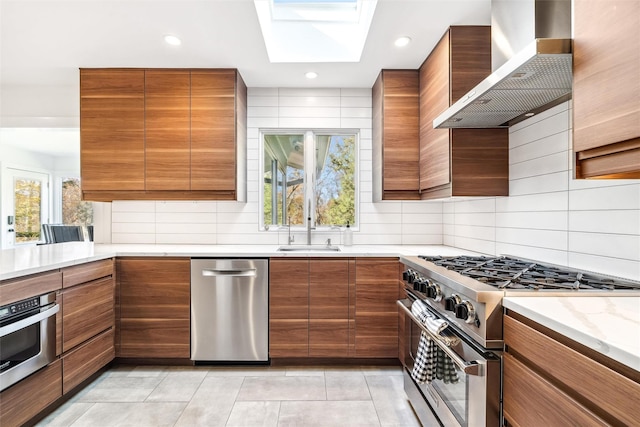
(28, 209)
(309, 169)
(75, 211)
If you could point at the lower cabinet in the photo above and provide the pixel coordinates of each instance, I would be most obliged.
(333, 307)
(154, 307)
(81, 362)
(24, 400)
(552, 381)
(376, 311)
(87, 329)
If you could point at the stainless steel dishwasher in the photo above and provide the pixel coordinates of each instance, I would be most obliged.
(230, 310)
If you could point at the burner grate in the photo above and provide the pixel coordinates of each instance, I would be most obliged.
(513, 273)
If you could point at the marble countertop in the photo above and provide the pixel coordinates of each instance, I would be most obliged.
(609, 325)
(25, 260)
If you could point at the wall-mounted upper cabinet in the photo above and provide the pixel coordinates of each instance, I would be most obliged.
(163, 134)
(395, 99)
(606, 89)
(459, 162)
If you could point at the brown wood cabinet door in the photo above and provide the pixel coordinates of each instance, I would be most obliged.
(530, 400)
(87, 359)
(596, 385)
(399, 133)
(167, 129)
(376, 311)
(24, 400)
(459, 162)
(288, 307)
(434, 99)
(606, 88)
(112, 129)
(329, 307)
(213, 130)
(154, 307)
(88, 309)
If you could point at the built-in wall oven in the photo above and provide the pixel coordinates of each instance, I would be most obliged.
(27, 337)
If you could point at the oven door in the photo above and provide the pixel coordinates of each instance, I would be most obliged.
(468, 394)
(27, 343)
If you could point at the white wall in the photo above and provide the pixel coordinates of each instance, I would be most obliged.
(548, 216)
(237, 223)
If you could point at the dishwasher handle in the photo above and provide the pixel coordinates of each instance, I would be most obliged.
(248, 272)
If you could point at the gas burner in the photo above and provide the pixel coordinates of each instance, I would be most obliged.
(513, 273)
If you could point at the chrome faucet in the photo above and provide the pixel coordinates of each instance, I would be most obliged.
(309, 225)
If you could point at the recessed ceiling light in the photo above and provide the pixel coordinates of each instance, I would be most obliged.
(172, 40)
(529, 114)
(311, 74)
(402, 41)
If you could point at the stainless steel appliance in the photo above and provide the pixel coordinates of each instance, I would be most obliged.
(467, 292)
(27, 337)
(230, 310)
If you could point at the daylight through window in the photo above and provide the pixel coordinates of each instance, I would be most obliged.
(309, 170)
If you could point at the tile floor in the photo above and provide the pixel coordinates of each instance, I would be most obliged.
(155, 396)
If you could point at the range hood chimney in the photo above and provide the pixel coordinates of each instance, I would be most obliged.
(531, 62)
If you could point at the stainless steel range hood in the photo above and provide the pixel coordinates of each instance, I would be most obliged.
(531, 63)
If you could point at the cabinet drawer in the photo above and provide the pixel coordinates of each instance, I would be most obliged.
(155, 338)
(27, 398)
(597, 385)
(87, 311)
(27, 287)
(75, 275)
(85, 360)
(530, 400)
(377, 270)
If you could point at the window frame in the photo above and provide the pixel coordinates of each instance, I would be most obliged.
(309, 172)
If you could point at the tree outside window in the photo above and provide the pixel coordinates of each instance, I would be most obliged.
(287, 189)
(75, 211)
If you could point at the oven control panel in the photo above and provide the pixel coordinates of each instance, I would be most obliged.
(19, 307)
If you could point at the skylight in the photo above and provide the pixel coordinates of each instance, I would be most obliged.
(315, 30)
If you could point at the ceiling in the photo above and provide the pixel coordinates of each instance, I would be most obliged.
(43, 43)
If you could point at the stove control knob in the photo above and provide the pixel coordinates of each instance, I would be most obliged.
(416, 284)
(424, 285)
(466, 312)
(405, 275)
(434, 292)
(451, 302)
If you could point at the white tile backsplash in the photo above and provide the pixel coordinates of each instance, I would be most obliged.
(549, 216)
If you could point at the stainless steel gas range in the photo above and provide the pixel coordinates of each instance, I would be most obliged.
(467, 292)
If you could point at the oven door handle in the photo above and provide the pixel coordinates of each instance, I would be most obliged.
(21, 324)
(469, 368)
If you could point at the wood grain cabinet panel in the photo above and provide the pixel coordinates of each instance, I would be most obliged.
(288, 307)
(163, 134)
(167, 130)
(26, 399)
(606, 88)
(395, 100)
(530, 400)
(597, 387)
(112, 129)
(376, 312)
(80, 363)
(26, 287)
(459, 162)
(87, 272)
(88, 309)
(154, 307)
(329, 307)
(214, 114)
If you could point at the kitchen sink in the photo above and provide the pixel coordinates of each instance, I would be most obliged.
(308, 248)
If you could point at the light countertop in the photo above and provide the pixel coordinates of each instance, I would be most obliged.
(25, 260)
(609, 325)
